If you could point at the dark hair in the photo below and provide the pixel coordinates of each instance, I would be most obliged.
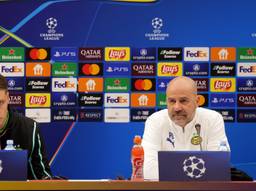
(3, 83)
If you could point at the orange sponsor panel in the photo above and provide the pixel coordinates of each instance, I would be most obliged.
(223, 54)
(90, 84)
(38, 69)
(143, 100)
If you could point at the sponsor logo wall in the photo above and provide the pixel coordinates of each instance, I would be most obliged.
(126, 84)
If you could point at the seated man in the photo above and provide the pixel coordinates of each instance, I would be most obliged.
(25, 134)
(182, 126)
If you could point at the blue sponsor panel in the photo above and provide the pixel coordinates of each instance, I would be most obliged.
(246, 84)
(143, 54)
(246, 115)
(63, 114)
(162, 83)
(117, 69)
(196, 69)
(90, 115)
(64, 99)
(64, 54)
(15, 84)
(223, 100)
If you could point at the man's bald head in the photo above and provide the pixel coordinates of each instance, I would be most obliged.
(182, 83)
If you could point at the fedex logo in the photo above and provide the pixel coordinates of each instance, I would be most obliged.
(119, 99)
(116, 100)
(196, 54)
(246, 69)
(64, 84)
(12, 69)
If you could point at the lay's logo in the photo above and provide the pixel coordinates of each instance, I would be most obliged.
(38, 100)
(12, 69)
(223, 84)
(117, 53)
(169, 69)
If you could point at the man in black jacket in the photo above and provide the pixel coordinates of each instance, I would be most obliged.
(25, 134)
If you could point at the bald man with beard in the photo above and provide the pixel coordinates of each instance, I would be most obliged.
(182, 126)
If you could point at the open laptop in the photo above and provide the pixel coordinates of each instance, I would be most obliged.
(13, 165)
(194, 165)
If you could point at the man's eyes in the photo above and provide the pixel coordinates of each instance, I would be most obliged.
(182, 101)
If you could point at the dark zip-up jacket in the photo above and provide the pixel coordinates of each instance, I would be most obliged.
(25, 134)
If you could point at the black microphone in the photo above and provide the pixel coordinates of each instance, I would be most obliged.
(198, 130)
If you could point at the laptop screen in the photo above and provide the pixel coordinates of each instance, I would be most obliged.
(13, 165)
(194, 165)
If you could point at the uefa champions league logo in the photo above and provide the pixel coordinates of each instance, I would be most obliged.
(51, 23)
(157, 24)
(194, 167)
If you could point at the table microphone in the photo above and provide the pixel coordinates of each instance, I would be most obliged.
(198, 130)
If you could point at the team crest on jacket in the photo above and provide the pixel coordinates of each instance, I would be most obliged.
(196, 139)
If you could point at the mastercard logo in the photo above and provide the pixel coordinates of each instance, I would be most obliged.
(143, 84)
(38, 54)
(201, 101)
(91, 69)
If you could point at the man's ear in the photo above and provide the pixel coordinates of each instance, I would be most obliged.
(197, 100)
(8, 98)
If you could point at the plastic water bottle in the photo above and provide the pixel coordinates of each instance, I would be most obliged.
(9, 145)
(223, 146)
(137, 159)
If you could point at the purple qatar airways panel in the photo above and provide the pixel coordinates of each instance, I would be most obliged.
(194, 165)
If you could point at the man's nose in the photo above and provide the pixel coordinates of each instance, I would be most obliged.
(177, 106)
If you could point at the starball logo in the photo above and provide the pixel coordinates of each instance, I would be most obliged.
(117, 53)
(223, 84)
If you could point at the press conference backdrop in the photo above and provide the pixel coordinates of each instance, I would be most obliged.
(92, 71)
